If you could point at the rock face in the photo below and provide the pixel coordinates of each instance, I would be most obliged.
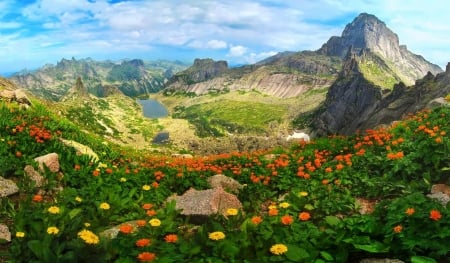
(368, 32)
(354, 103)
(201, 70)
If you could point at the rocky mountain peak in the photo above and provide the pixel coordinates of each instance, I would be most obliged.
(367, 32)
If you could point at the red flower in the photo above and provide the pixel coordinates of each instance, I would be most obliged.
(126, 228)
(146, 257)
(171, 238)
(147, 206)
(287, 220)
(304, 216)
(37, 198)
(435, 215)
(256, 220)
(143, 242)
(397, 229)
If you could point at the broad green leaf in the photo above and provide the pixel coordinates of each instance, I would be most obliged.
(327, 256)
(36, 247)
(421, 259)
(74, 212)
(332, 220)
(373, 248)
(296, 254)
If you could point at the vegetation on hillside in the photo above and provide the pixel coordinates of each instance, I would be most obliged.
(299, 204)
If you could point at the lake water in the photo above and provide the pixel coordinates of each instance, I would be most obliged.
(153, 108)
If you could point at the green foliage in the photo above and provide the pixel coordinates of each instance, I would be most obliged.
(298, 204)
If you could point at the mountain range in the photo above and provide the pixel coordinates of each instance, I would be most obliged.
(355, 81)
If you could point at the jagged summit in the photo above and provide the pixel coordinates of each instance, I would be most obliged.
(366, 31)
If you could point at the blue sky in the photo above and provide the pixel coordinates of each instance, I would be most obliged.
(36, 32)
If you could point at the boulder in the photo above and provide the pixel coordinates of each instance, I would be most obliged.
(51, 161)
(205, 202)
(365, 206)
(229, 184)
(34, 176)
(4, 233)
(438, 102)
(441, 193)
(7, 187)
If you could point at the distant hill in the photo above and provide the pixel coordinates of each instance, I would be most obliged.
(289, 74)
(132, 77)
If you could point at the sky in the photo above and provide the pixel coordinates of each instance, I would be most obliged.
(38, 32)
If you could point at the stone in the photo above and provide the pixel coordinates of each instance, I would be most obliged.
(205, 202)
(227, 183)
(112, 232)
(440, 197)
(5, 234)
(34, 176)
(161, 138)
(182, 155)
(380, 260)
(438, 102)
(21, 97)
(51, 161)
(7, 95)
(440, 192)
(81, 149)
(298, 136)
(7, 187)
(365, 206)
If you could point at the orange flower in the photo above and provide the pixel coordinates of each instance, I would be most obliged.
(151, 212)
(146, 257)
(273, 212)
(155, 184)
(141, 223)
(37, 198)
(96, 172)
(143, 242)
(438, 140)
(339, 166)
(325, 181)
(147, 206)
(304, 216)
(77, 167)
(171, 238)
(398, 229)
(328, 170)
(287, 220)
(435, 215)
(18, 154)
(256, 220)
(410, 211)
(126, 228)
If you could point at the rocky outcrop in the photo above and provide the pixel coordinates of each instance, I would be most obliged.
(10, 93)
(201, 70)
(368, 32)
(7, 187)
(353, 103)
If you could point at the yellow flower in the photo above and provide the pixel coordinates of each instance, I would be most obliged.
(278, 249)
(232, 212)
(123, 179)
(53, 210)
(88, 237)
(105, 206)
(303, 193)
(146, 187)
(218, 235)
(284, 205)
(87, 224)
(78, 199)
(155, 222)
(52, 230)
(272, 207)
(20, 234)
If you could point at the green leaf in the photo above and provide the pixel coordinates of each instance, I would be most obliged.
(36, 247)
(327, 256)
(421, 259)
(376, 247)
(296, 254)
(74, 212)
(332, 220)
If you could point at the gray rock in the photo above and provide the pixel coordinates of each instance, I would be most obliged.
(4, 233)
(51, 161)
(438, 102)
(7, 187)
(161, 138)
(34, 176)
(440, 197)
(205, 202)
(229, 184)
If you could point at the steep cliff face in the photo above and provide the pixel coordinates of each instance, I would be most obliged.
(368, 32)
(354, 103)
(132, 77)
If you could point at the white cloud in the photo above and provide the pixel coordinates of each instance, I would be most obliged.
(237, 51)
